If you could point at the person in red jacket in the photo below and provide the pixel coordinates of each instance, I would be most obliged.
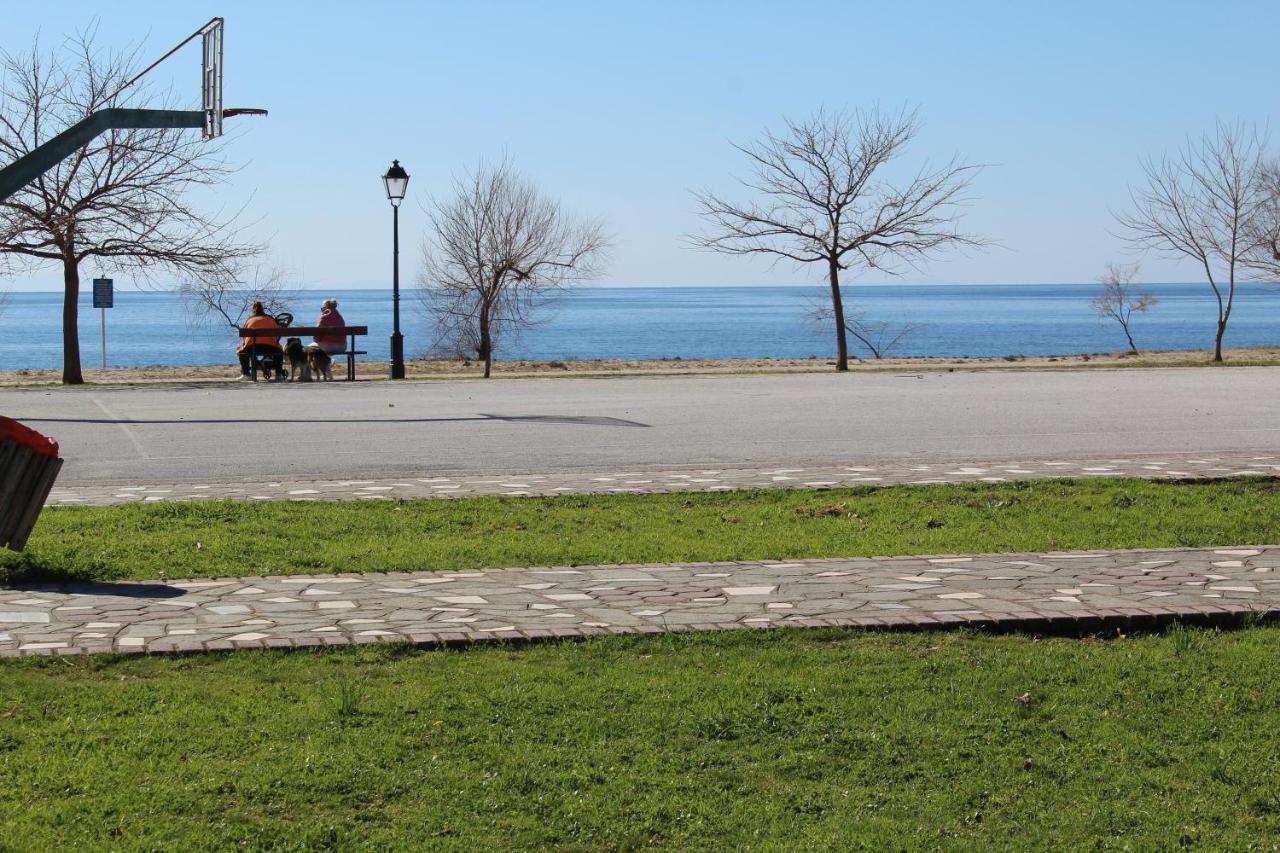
(267, 346)
(329, 316)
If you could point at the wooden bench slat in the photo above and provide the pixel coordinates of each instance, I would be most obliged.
(302, 331)
(10, 459)
(46, 471)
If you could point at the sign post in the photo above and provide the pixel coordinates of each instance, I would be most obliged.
(104, 298)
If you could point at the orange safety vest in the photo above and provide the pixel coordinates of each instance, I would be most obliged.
(260, 321)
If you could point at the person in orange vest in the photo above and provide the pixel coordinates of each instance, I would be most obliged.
(268, 347)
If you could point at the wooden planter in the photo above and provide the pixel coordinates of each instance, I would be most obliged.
(29, 464)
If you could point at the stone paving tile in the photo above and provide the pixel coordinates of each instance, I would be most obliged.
(1089, 590)
(1162, 466)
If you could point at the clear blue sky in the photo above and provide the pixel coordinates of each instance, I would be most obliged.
(620, 109)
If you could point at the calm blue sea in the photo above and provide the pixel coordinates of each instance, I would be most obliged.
(689, 322)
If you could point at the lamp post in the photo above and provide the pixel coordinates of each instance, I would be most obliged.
(396, 181)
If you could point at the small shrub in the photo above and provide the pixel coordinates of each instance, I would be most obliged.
(1185, 640)
(347, 700)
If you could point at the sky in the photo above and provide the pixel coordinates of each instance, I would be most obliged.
(620, 110)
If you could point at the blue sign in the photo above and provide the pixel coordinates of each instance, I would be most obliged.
(103, 293)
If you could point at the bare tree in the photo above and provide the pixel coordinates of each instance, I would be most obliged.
(499, 250)
(880, 338)
(824, 200)
(1202, 204)
(1264, 226)
(121, 199)
(225, 298)
(1118, 299)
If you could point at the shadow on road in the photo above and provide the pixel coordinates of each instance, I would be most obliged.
(580, 420)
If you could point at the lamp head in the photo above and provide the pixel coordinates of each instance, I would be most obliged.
(396, 181)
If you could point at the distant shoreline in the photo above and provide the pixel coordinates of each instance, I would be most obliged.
(453, 369)
(850, 289)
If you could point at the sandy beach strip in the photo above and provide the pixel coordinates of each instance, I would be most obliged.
(456, 369)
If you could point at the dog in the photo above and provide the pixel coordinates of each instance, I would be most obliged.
(319, 363)
(299, 367)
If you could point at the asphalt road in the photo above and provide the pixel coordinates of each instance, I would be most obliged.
(228, 433)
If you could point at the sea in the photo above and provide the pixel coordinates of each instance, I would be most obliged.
(947, 320)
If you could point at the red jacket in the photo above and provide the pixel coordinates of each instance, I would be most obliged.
(330, 317)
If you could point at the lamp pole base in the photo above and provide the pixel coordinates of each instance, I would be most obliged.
(397, 356)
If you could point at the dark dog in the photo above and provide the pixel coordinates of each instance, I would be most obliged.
(299, 370)
(319, 363)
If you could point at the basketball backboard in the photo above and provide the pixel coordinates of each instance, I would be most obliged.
(211, 82)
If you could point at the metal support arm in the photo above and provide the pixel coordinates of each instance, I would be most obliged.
(27, 168)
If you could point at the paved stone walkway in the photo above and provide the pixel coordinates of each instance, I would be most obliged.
(709, 479)
(1080, 591)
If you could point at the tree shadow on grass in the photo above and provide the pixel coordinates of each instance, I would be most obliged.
(27, 571)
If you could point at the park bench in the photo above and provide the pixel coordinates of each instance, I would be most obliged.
(29, 464)
(349, 332)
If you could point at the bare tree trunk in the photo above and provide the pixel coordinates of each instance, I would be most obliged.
(70, 325)
(1222, 318)
(1226, 314)
(837, 309)
(486, 342)
(1133, 348)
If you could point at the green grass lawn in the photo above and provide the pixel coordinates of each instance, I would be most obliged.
(222, 538)
(780, 740)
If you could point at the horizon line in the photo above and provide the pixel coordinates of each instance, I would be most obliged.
(88, 292)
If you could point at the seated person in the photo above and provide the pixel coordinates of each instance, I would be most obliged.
(329, 316)
(269, 347)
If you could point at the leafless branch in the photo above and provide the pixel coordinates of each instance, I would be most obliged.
(1118, 299)
(821, 197)
(1199, 203)
(1263, 259)
(880, 338)
(499, 251)
(224, 299)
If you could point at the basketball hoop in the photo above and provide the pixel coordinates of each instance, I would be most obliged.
(210, 79)
(102, 118)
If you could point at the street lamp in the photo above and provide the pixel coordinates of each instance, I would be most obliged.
(396, 180)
